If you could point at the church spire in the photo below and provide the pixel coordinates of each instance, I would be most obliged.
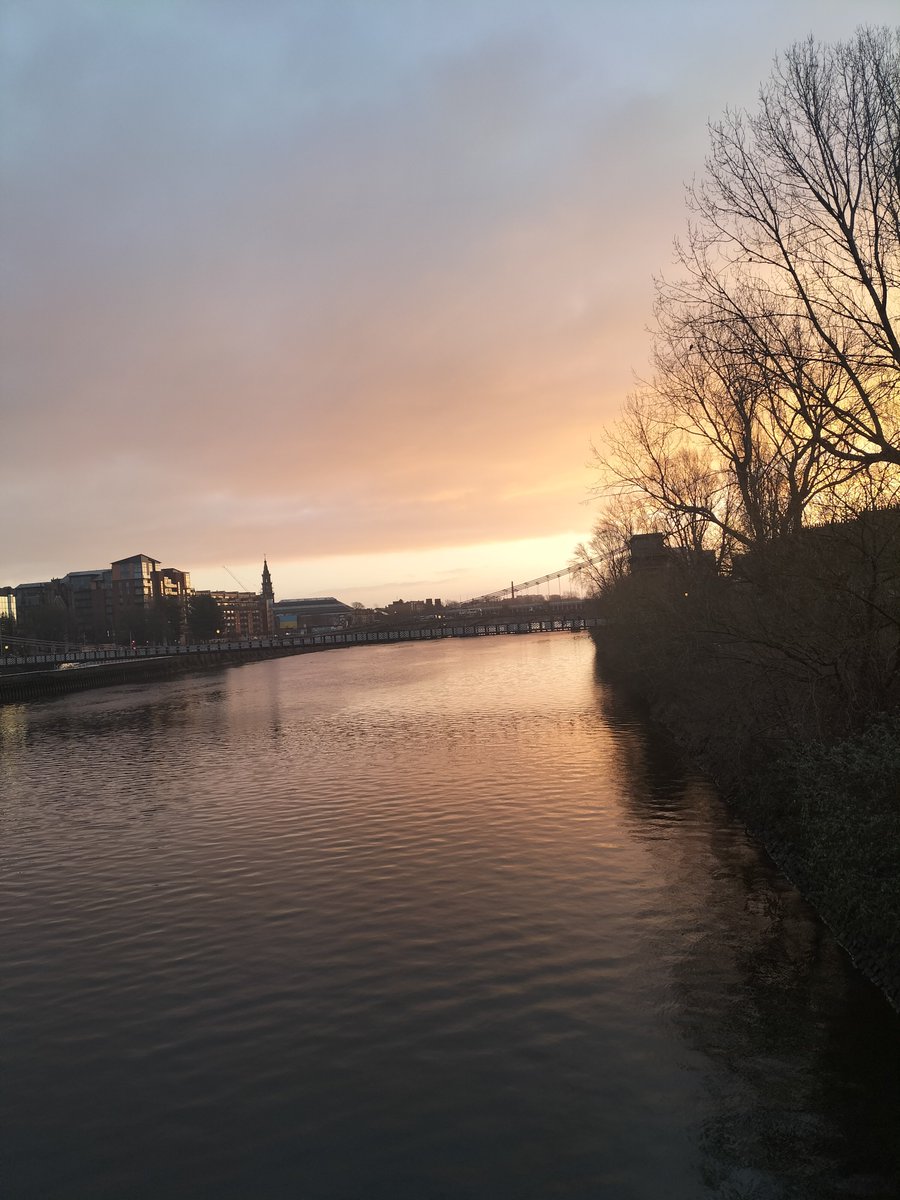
(268, 592)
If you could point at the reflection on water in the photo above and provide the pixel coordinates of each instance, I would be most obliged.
(411, 921)
(806, 1085)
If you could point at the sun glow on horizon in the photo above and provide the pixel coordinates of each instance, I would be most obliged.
(449, 572)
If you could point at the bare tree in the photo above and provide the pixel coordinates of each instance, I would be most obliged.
(602, 561)
(761, 425)
(776, 353)
(801, 207)
(681, 487)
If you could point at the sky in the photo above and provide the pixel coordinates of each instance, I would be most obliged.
(351, 284)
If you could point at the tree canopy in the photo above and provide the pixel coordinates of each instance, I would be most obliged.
(204, 617)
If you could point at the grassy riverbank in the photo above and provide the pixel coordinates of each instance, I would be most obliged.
(791, 708)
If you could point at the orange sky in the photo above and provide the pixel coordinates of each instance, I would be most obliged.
(352, 285)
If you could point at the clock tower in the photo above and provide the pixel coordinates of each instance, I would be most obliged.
(267, 601)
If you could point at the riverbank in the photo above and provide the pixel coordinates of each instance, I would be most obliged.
(826, 809)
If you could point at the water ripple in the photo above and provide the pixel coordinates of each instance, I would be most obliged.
(408, 922)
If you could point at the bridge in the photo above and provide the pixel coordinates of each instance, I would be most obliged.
(573, 573)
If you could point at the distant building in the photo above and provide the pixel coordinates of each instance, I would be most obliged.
(7, 603)
(140, 582)
(405, 608)
(41, 609)
(317, 612)
(143, 594)
(414, 608)
(88, 596)
(36, 595)
(138, 597)
(246, 614)
(649, 554)
(132, 581)
(242, 614)
(171, 584)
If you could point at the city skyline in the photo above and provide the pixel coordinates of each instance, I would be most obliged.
(351, 288)
(235, 585)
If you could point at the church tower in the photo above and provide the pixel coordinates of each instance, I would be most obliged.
(267, 602)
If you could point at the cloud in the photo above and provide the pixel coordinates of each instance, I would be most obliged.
(281, 274)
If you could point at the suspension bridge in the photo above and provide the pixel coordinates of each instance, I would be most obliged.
(573, 573)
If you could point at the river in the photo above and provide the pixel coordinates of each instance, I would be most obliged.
(415, 921)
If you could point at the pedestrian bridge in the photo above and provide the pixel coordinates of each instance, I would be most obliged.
(17, 654)
(30, 671)
(450, 628)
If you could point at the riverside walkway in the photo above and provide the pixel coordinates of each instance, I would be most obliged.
(56, 670)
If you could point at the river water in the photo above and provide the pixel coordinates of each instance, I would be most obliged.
(423, 921)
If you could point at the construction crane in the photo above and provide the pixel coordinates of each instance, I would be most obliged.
(242, 586)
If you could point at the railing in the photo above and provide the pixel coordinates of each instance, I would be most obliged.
(359, 636)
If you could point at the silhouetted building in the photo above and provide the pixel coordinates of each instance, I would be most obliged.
(41, 609)
(36, 595)
(88, 597)
(414, 608)
(267, 601)
(648, 552)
